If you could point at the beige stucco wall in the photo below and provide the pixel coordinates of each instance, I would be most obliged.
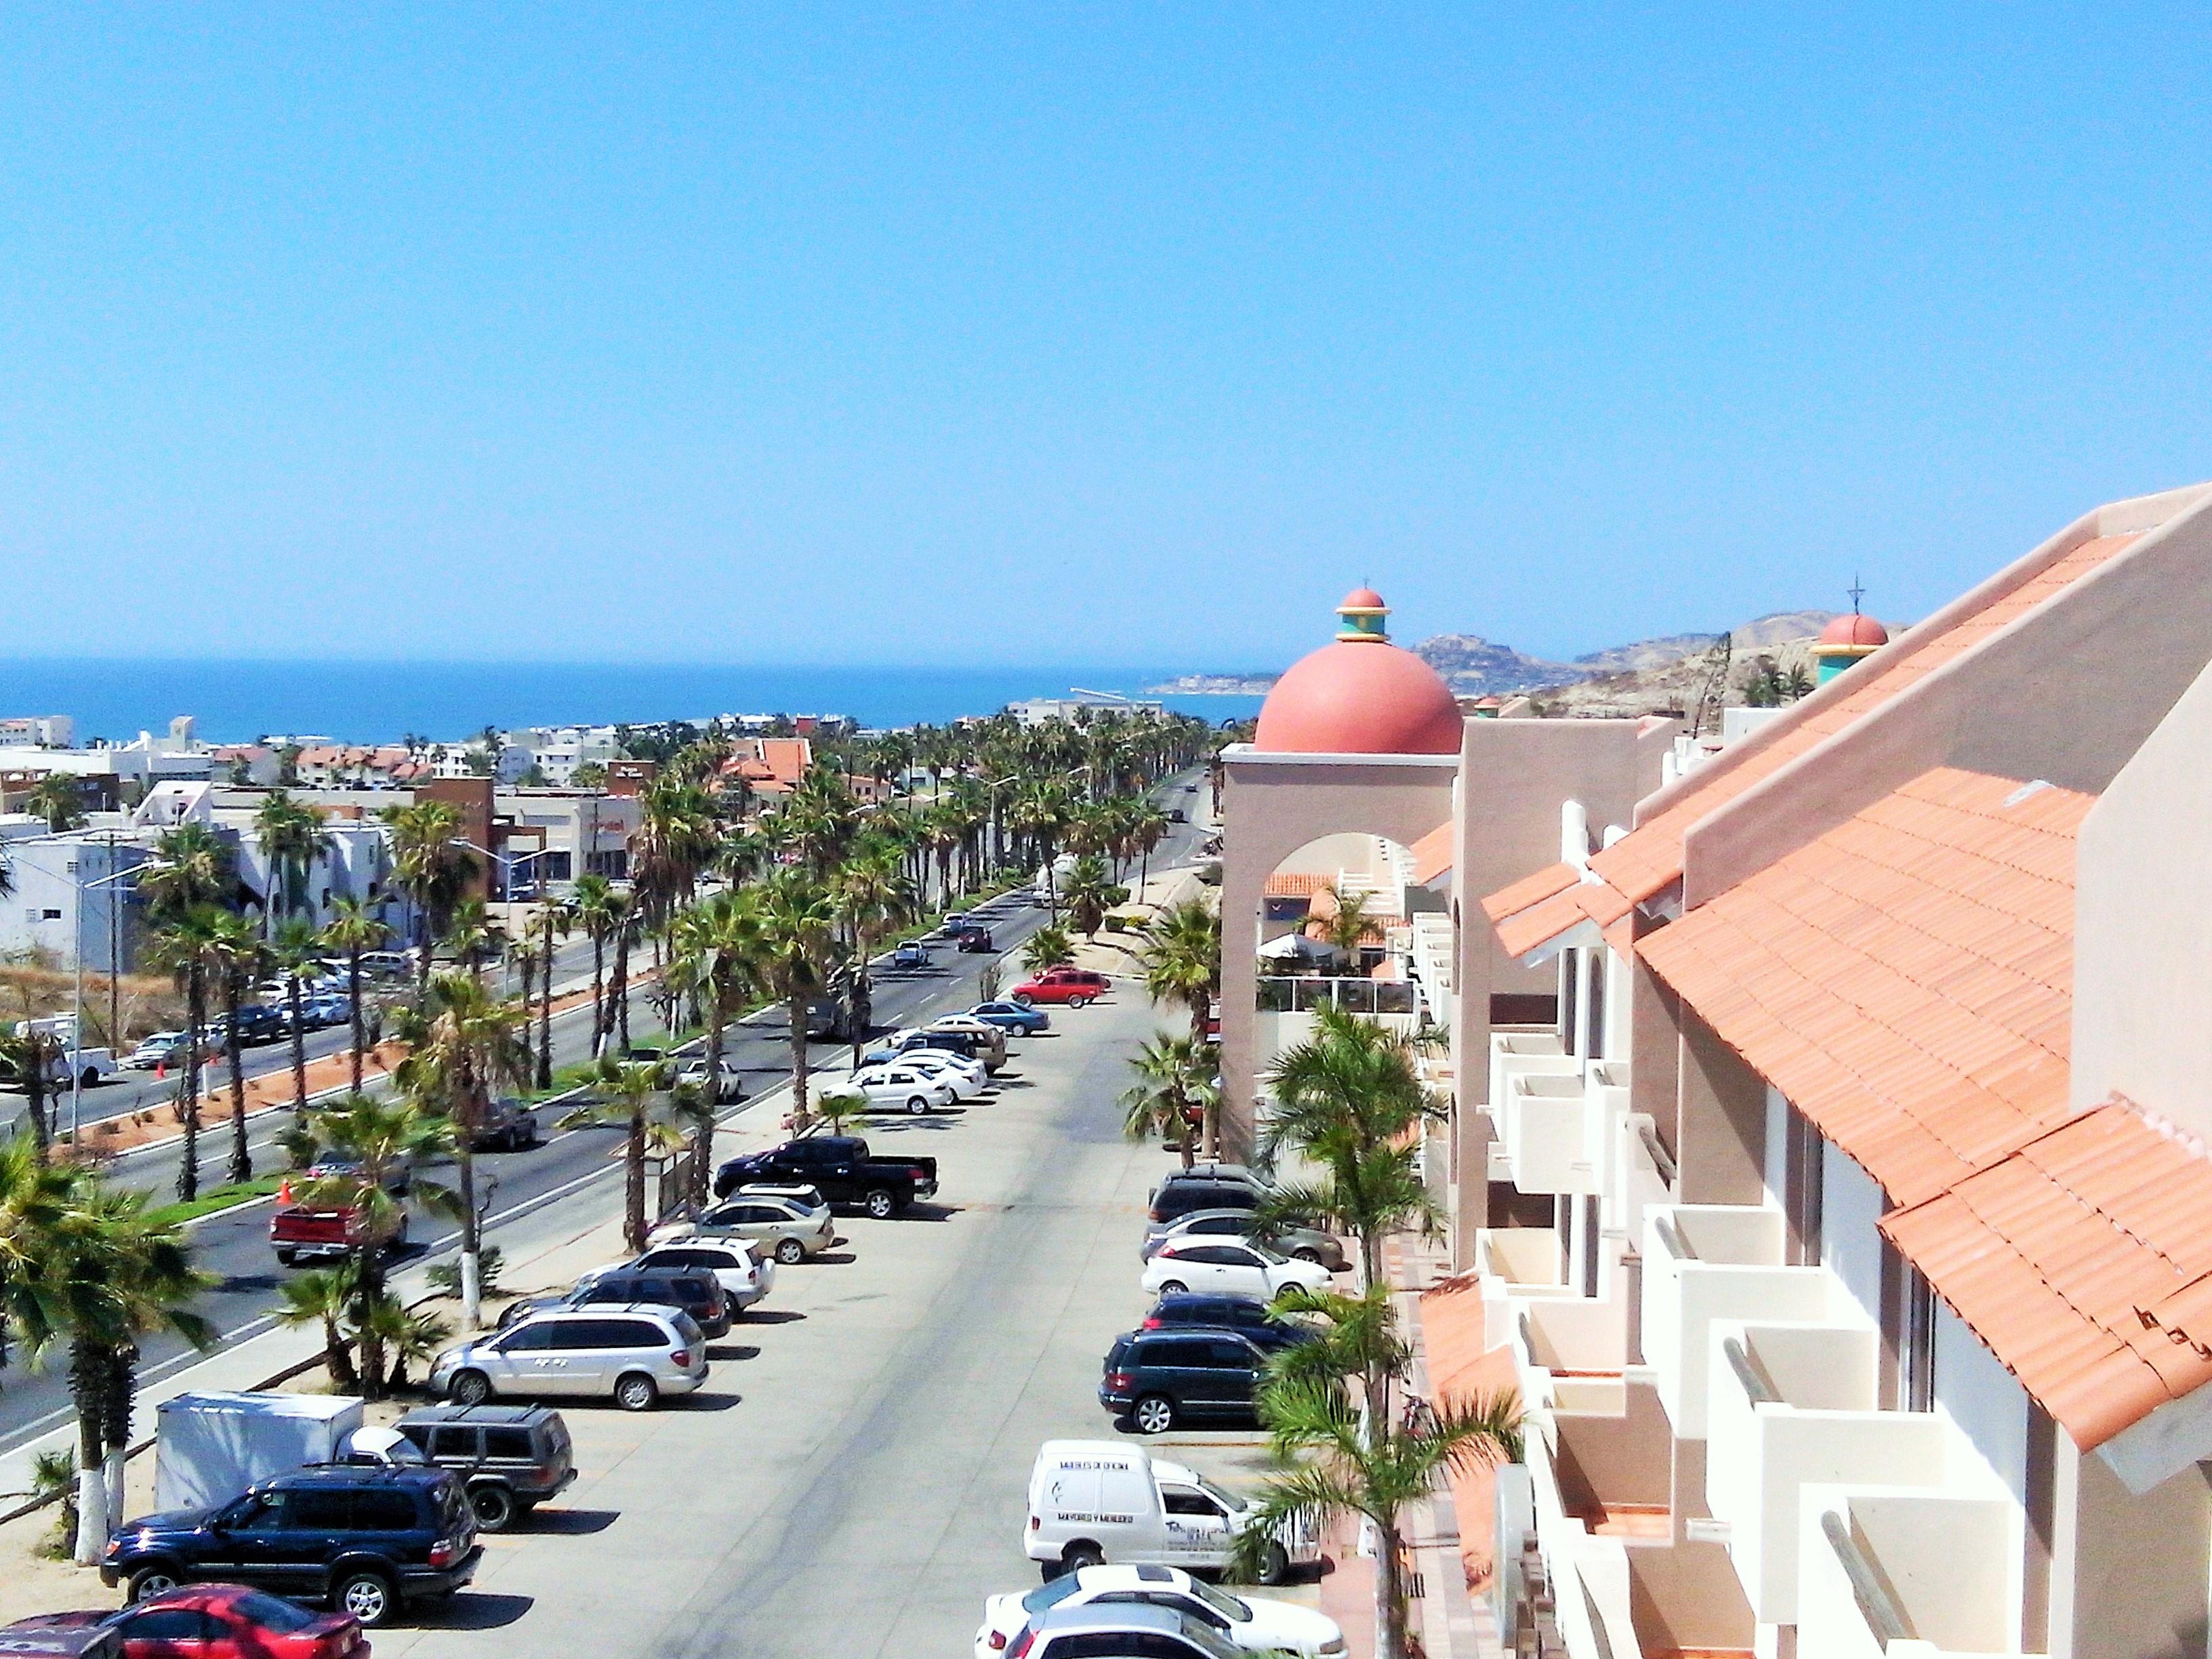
(2142, 926)
(2066, 693)
(2128, 1573)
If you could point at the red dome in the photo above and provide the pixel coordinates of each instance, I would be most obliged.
(1359, 697)
(1362, 599)
(1854, 630)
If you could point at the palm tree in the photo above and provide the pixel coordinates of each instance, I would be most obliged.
(1181, 961)
(58, 798)
(291, 836)
(353, 929)
(191, 866)
(474, 936)
(1088, 893)
(710, 961)
(596, 907)
(626, 1092)
(1176, 1078)
(430, 869)
(1148, 831)
(791, 927)
(874, 897)
(35, 1212)
(1346, 1459)
(369, 1146)
(30, 1055)
(629, 914)
(325, 1296)
(1048, 947)
(235, 955)
(462, 1042)
(296, 951)
(1346, 927)
(183, 945)
(545, 933)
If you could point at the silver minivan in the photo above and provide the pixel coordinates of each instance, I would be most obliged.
(631, 1354)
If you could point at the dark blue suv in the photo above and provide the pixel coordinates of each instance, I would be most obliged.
(367, 1540)
(1245, 1315)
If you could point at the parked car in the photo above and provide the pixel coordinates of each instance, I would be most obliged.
(201, 1621)
(256, 1025)
(509, 1126)
(1251, 1625)
(968, 1078)
(786, 1228)
(975, 941)
(510, 1459)
(1157, 1379)
(367, 1540)
(1239, 1267)
(992, 1037)
(1117, 1628)
(1095, 1501)
(990, 1052)
(730, 1085)
(62, 1636)
(912, 1089)
(841, 1168)
(910, 955)
(1016, 1016)
(1299, 1243)
(1204, 1187)
(162, 1048)
(697, 1292)
(1247, 1316)
(631, 1355)
(1076, 987)
(744, 1275)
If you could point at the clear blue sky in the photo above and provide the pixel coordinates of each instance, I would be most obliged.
(1070, 334)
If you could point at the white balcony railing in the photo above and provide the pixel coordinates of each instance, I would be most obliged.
(1545, 1120)
(1884, 1574)
(1513, 1053)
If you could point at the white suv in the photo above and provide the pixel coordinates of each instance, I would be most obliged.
(631, 1355)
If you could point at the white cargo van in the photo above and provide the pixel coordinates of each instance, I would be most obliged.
(1095, 1501)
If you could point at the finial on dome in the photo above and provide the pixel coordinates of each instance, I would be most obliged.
(1362, 612)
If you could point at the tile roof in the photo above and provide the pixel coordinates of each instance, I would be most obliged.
(1536, 909)
(1432, 855)
(1530, 890)
(1298, 884)
(1906, 980)
(2082, 1261)
(1648, 858)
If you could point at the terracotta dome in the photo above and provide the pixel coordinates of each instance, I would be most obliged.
(1360, 695)
(1863, 632)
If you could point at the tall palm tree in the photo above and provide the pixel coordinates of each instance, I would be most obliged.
(596, 907)
(35, 1212)
(626, 1093)
(462, 1043)
(1181, 961)
(791, 926)
(235, 956)
(547, 930)
(474, 936)
(1176, 1082)
(58, 798)
(430, 869)
(291, 837)
(1088, 893)
(872, 896)
(1346, 927)
(353, 930)
(366, 1146)
(1048, 947)
(628, 916)
(710, 962)
(295, 951)
(191, 866)
(31, 1055)
(184, 946)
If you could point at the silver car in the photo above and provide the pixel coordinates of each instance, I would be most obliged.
(1300, 1243)
(786, 1228)
(631, 1354)
(737, 1266)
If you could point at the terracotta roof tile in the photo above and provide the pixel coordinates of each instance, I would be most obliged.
(1540, 923)
(1296, 883)
(1906, 979)
(1648, 858)
(2081, 1260)
(1528, 891)
(1432, 855)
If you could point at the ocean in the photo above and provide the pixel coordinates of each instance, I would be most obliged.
(356, 701)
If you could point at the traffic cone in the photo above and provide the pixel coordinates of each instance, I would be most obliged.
(161, 1070)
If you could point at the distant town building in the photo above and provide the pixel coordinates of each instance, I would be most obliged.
(1077, 705)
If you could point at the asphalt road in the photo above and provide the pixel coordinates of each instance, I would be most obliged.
(233, 1245)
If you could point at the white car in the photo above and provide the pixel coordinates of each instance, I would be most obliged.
(1213, 1265)
(738, 1268)
(1253, 1624)
(902, 1086)
(966, 1077)
(731, 1087)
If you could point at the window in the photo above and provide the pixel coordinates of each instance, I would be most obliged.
(274, 1614)
(453, 1440)
(318, 1509)
(1180, 1500)
(269, 1516)
(511, 1445)
(169, 1625)
(377, 1511)
(563, 1335)
(1184, 1352)
(616, 1333)
(1230, 1355)
(531, 1338)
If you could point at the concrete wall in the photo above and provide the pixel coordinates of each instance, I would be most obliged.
(2142, 954)
(1852, 1204)
(2128, 1577)
(2067, 692)
(1722, 1114)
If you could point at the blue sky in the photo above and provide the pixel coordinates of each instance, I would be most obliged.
(1070, 334)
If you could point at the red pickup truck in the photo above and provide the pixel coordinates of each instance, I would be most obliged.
(1073, 986)
(304, 1233)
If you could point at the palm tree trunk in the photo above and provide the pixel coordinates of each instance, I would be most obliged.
(241, 1160)
(465, 1165)
(120, 1396)
(598, 988)
(702, 1147)
(360, 1030)
(188, 1086)
(618, 989)
(299, 1046)
(368, 1290)
(35, 1093)
(88, 1384)
(798, 1116)
(545, 1020)
(634, 1185)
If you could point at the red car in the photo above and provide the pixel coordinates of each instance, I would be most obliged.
(1073, 986)
(218, 1621)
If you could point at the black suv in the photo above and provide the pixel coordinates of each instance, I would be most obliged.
(1205, 1186)
(1245, 1315)
(694, 1289)
(367, 1540)
(1159, 1378)
(512, 1458)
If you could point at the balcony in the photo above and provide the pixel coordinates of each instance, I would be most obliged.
(1704, 1262)
(1908, 1574)
(1514, 1053)
(1544, 1121)
(1789, 1406)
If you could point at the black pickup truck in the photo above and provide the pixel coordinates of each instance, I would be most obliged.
(840, 1167)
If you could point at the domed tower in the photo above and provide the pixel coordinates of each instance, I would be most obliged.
(1359, 695)
(1843, 642)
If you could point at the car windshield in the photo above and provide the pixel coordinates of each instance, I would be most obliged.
(1266, 1249)
(272, 1612)
(1227, 1606)
(1231, 1505)
(1050, 1594)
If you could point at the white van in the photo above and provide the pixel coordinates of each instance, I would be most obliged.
(1095, 1501)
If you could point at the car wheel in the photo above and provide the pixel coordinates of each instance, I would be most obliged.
(1174, 1287)
(1274, 1564)
(882, 1204)
(636, 1392)
(91, 1078)
(1308, 1254)
(494, 1506)
(368, 1595)
(1078, 1556)
(916, 1106)
(470, 1388)
(288, 1258)
(790, 1251)
(153, 1581)
(1154, 1413)
(1026, 1001)
(1079, 1002)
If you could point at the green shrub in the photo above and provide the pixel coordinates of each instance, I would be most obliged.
(445, 1276)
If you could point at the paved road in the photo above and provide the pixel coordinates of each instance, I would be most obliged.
(234, 1246)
